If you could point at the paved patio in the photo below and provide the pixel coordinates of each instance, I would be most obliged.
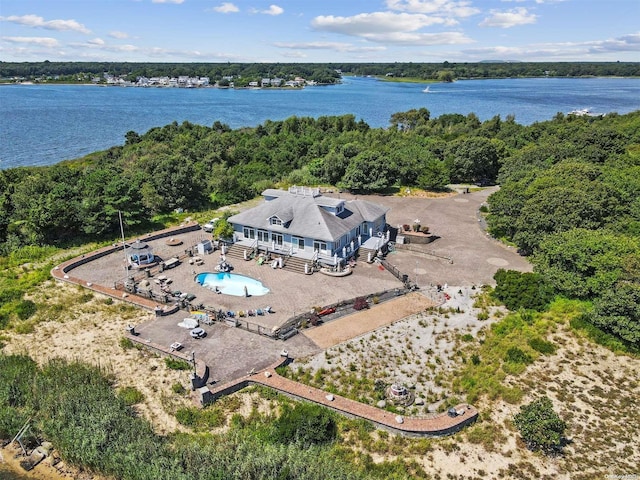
(230, 352)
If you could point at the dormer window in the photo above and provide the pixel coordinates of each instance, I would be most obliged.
(275, 221)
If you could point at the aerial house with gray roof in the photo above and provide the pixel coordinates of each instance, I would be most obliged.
(303, 223)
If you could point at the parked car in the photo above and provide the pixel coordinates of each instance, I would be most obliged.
(210, 225)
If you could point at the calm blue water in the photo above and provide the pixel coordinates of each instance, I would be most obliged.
(42, 125)
(232, 284)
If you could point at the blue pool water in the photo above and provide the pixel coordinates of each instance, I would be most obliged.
(232, 284)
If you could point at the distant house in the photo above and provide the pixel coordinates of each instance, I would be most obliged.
(303, 223)
(266, 82)
(253, 84)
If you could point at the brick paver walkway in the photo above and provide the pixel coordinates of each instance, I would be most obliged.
(437, 425)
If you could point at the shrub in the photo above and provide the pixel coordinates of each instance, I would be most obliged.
(187, 416)
(542, 346)
(522, 290)
(541, 428)
(130, 395)
(516, 355)
(305, 424)
(176, 364)
(178, 388)
(126, 343)
(25, 309)
(360, 303)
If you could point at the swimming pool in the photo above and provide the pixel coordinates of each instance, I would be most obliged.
(232, 284)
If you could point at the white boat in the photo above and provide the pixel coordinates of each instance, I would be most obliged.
(581, 112)
(426, 90)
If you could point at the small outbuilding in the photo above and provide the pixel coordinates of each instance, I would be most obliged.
(140, 254)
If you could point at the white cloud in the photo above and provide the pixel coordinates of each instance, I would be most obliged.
(625, 43)
(40, 41)
(119, 35)
(559, 51)
(436, 7)
(99, 44)
(226, 7)
(336, 46)
(374, 23)
(177, 2)
(297, 55)
(36, 21)
(509, 18)
(273, 10)
(423, 39)
(389, 27)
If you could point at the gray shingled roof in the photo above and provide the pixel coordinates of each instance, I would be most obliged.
(306, 217)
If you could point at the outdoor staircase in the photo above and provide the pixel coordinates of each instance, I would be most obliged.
(235, 254)
(363, 253)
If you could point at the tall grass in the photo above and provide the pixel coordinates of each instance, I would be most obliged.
(76, 407)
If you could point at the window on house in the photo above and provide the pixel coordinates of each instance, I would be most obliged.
(277, 238)
(319, 246)
(249, 232)
(263, 235)
(275, 221)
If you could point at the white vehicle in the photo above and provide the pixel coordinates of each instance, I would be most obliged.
(210, 225)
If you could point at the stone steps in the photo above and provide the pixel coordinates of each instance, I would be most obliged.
(291, 264)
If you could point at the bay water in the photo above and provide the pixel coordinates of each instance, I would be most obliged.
(45, 124)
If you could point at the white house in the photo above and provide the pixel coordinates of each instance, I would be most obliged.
(303, 223)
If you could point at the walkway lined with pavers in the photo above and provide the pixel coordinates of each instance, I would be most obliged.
(438, 425)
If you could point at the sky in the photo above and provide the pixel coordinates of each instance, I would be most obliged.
(293, 31)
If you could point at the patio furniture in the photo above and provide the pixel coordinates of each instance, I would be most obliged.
(176, 346)
(172, 262)
(174, 242)
(198, 332)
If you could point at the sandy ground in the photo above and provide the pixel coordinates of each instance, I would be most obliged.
(412, 344)
(93, 335)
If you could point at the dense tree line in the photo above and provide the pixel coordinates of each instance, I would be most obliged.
(570, 198)
(196, 167)
(321, 72)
